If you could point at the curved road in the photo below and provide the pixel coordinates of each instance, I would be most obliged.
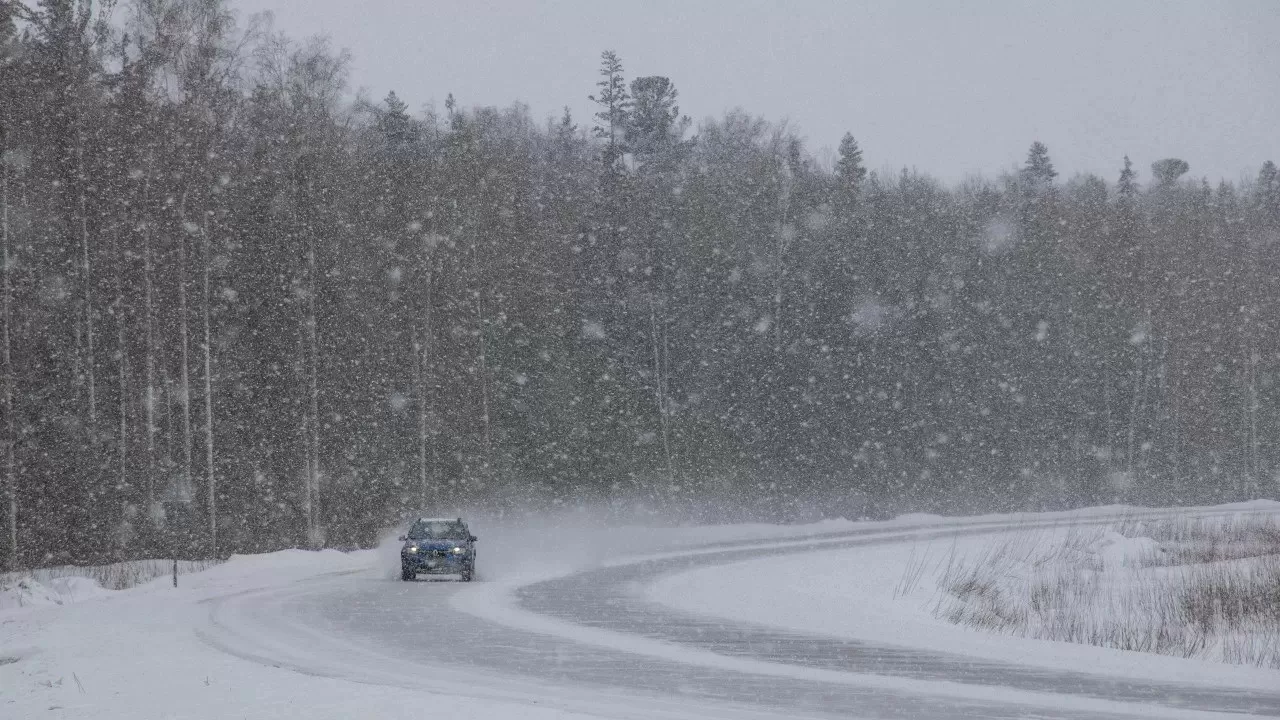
(367, 628)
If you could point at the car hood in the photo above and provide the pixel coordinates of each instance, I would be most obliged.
(436, 544)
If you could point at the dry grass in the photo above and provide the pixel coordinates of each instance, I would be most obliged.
(1189, 541)
(1206, 588)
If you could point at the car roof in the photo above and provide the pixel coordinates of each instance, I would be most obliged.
(426, 519)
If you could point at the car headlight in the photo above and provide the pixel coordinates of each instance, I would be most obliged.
(457, 551)
(411, 549)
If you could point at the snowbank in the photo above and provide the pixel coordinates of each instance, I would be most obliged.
(1115, 551)
(28, 592)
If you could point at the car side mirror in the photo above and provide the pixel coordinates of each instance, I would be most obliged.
(402, 538)
(474, 538)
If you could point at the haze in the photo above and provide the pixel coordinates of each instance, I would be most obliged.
(926, 85)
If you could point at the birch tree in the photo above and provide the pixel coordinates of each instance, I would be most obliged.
(211, 489)
(655, 133)
(6, 259)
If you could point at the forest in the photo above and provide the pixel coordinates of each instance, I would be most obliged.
(246, 308)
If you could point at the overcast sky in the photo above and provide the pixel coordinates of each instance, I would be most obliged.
(950, 88)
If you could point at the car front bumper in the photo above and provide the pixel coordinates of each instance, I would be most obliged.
(435, 562)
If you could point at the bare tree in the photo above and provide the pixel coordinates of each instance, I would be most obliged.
(86, 269)
(211, 499)
(152, 391)
(11, 436)
(314, 529)
(482, 357)
(122, 362)
(184, 335)
(305, 85)
(424, 346)
(658, 341)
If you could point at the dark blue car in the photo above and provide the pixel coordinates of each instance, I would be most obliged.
(438, 546)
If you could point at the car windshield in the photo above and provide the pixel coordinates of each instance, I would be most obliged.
(437, 530)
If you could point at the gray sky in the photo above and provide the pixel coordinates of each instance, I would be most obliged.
(951, 88)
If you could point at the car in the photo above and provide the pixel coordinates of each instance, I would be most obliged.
(438, 546)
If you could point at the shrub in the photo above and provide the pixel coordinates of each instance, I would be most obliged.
(1209, 589)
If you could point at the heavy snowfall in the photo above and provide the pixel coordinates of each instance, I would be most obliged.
(745, 427)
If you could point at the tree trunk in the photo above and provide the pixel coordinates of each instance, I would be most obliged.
(784, 211)
(666, 395)
(304, 440)
(86, 269)
(1248, 480)
(423, 365)
(1159, 408)
(315, 529)
(1251, 477)
(484, 384)
(11, 436)
(211, 499)
(122, 349)
(1139, 379)
(482, 356)
(152, 395)
(304, 428)
(183, 493)
(150, 356)
(659, 389)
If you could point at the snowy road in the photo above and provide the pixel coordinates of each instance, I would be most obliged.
(590, 641)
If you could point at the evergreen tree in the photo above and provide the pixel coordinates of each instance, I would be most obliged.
(654, 123)
(849, 166)
(615, 108)
(1166, 172)
(1038, 170)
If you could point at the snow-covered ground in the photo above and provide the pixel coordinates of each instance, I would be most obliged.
(893, 594)
(22, 591)
(70, 583)
(70, 649)
(158, 652)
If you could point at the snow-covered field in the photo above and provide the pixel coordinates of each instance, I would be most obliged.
(1205, 588)
(903, 594)
(158, 652)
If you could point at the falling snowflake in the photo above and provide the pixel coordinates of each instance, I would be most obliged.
(868, 317)
(997, 235)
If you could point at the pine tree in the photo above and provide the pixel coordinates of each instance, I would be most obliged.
(1127, 187)
(1166, 172)
(654, 124)
(1037, 172)
(615, 108)
(1268, 193)
(849, 167)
